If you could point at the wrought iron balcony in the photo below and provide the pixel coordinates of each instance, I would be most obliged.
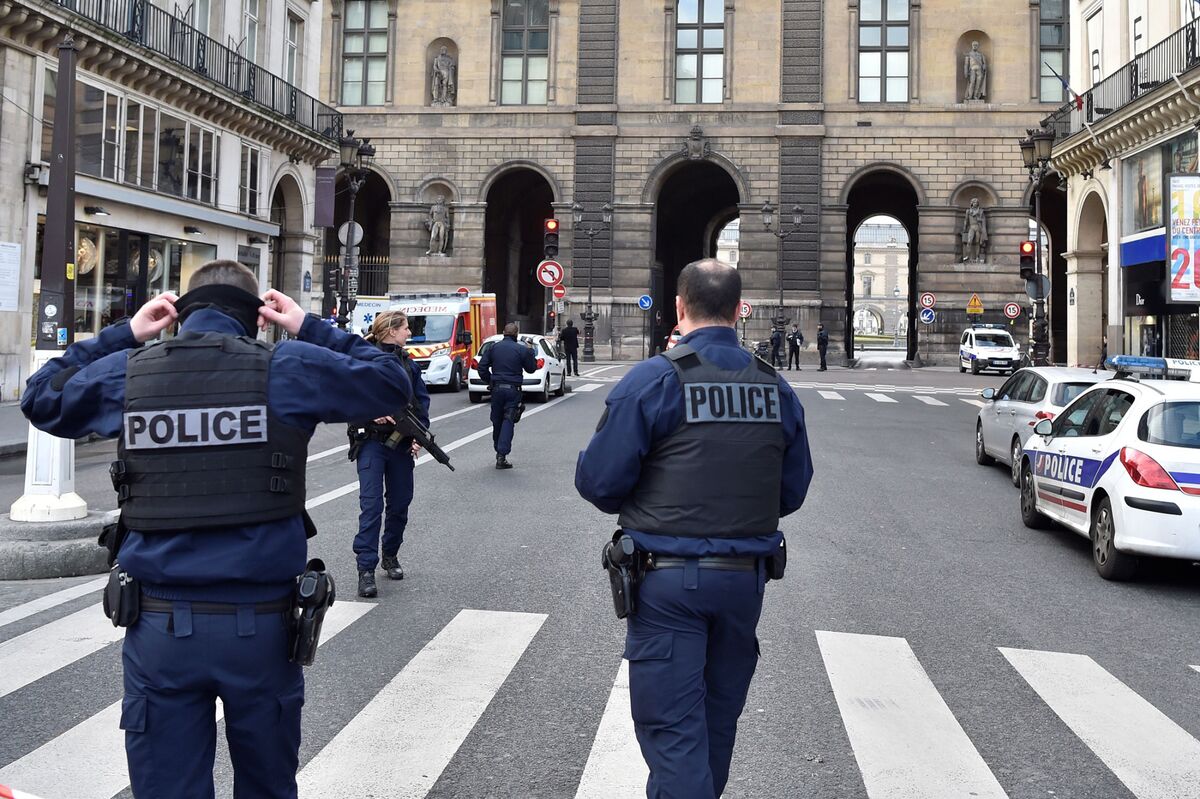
(1175, 55)
(145, 24)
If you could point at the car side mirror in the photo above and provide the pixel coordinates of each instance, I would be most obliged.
(988, 394)
(1044, 428)
(464, 337)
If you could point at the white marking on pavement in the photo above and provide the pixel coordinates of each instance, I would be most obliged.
(31, 656)
(88, 760)
(589, 387)
(930, 400)
(601, 369)
(976, 403)
(51, 600)
(1152, 755)
(326, 453)
(880, 397)
(907, 742)
(400, 743)
(831, 395)
(1197, 668)
(615, 768)
(344, 447)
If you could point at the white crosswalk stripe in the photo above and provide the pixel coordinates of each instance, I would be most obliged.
(976, 403)
(50, 601)
(930, 400)
(615, 769)
(42, 651)
(880, 397)
(588, 387)
(831, 395)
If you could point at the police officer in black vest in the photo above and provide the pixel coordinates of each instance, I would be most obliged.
(502, 367)
(700, 451)
(214, 428)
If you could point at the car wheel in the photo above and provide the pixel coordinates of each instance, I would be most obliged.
(1015, 453)
(1111, 563)
(544, 394)
(455, 384)
(961, 367)
(562, 385)
(974, 367)
(475, 396)
(981, 456)
(1030, 516)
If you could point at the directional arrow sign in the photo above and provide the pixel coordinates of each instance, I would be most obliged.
(549, 273)
(645, 302)
(927, 316)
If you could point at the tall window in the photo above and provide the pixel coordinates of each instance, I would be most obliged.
(1095, 36)
(97, 126)
(202, 164)
(883, 51)
(364, 53)
(700, 51)
(1053, 51)
(291, 55)
(868, 284)
(525, 55)
(250, 189)
(250, 12)
(201, 13)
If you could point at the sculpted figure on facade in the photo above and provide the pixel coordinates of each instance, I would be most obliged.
(697, 147)
(438, 225)
(974, 233)
(975, 70)
(442, 79)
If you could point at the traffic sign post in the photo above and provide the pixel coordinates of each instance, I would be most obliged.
(927, 316)
(928, 299)
(1012, 310)
(645, 302)
(975, 305)
(744, 311)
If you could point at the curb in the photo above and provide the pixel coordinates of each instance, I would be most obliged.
(35, 550)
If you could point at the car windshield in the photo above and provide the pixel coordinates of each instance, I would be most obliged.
(432, 329)
(1066, 393)
(993, 340)
(1172, 424)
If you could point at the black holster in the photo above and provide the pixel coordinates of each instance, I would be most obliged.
(776, 563)
(518, 412)
(315, 592)
(122, 598)
(626, 567)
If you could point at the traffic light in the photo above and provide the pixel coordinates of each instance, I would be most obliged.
(1028, 264)
(550, 239)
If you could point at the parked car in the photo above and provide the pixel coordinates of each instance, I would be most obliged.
(983, 347)
(1009, 413)
(550, 377)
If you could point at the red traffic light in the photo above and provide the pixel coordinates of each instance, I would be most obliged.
(551, 225)
(1027, 247)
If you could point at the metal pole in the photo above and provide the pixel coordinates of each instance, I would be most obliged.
(1040, 342)
(589, 316)
(343, 317)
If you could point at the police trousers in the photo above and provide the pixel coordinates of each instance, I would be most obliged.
(505, 399)
(385, 490)
(176, 666)
(692, 651)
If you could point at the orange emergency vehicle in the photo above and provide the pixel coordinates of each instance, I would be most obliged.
(447, 331)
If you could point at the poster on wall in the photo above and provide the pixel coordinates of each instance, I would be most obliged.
(10, 276)
(1183, 237)
(1142, 192)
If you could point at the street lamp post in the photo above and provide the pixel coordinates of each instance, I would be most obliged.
(1035, 154)
(589, 316)
(769, 223)
(356, 158)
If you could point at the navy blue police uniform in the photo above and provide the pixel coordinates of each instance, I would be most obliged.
(699, 451)
(502, 367)
(220, 631)
(383, 468)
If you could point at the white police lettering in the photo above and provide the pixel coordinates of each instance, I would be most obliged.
(732, 402)
(196, 427)
(1060, 467)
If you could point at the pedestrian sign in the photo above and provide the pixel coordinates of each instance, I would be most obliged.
(645, 302)
(745, 309)
(1012, 310)
(975, 305)
(927, 316)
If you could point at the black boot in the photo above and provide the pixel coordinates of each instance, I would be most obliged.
(366, 584)
(502, 462)
(392, 567)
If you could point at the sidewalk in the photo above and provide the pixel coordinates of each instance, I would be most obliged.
(14, 430)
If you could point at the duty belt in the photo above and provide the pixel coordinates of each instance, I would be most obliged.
(747, 563)
(151, 604)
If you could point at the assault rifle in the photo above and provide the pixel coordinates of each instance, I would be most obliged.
(409, 426)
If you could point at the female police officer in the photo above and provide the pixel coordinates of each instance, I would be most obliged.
(385, 460)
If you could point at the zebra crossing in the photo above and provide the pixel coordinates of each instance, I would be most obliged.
(905, 738)
(927, 396)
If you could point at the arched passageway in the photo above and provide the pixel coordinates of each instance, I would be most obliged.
(880, 286)
(517, 205)
(371, 210)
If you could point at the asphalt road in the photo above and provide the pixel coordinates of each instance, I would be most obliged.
(909, 573)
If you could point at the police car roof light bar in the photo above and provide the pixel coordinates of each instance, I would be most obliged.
(1160, 368)
(989, 325)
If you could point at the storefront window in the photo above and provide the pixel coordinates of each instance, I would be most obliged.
(1143, 181)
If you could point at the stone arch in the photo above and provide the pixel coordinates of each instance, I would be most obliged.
(430, 187)
(514, 165)
(432, 52)
(714, 228)
(883, 166)
(960, 50)
(1091, 221)
(289, 186)
(669, 165)
(974, 190)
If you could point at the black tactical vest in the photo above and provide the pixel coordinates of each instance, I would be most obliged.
(718, 474)
(200, 447)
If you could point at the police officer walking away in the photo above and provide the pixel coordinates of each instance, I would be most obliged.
(795, 344)
(214, 429)
(501, 368)
(570, 342)
(822, 345)
(699, 452)
(385, 460)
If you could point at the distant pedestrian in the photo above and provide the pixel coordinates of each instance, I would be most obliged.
(501, 368)
(570, 341)
(776, 344)
(795, 340)
(822, 345)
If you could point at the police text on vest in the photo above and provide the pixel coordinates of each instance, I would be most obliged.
(196, 427)
(732, 402)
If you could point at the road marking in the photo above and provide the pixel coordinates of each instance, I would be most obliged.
(31, 656)
(1152, 755)
(976, 403)
(929, 400)
(350, 488)
(880, 397)
(344, 447)
(1197, 668)
(589, 387)
(602, 369)
(51, 600)
(615, 768)
(907, 742)
(400, 743)
(88, 760)
(831, 395)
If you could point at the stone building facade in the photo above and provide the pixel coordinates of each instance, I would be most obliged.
(682, 116)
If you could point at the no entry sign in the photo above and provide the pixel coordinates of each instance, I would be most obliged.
(560, 291)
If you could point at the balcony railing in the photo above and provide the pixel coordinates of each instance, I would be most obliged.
(146, 24)
(1176, 54)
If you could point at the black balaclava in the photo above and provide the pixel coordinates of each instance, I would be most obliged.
(229, 300)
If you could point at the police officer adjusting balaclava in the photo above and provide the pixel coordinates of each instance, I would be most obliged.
(229, 300)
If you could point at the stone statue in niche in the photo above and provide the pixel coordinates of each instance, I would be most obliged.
(442, 83)
(974, 233)
(975, 70)
(438, 225)
(697, 147)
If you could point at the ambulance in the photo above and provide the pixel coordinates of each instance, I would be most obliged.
(447, 330)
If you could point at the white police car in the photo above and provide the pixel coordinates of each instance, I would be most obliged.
(1121, 465)
(988, 347)
(549, 378)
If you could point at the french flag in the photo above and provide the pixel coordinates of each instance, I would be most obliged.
(1074, 95)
